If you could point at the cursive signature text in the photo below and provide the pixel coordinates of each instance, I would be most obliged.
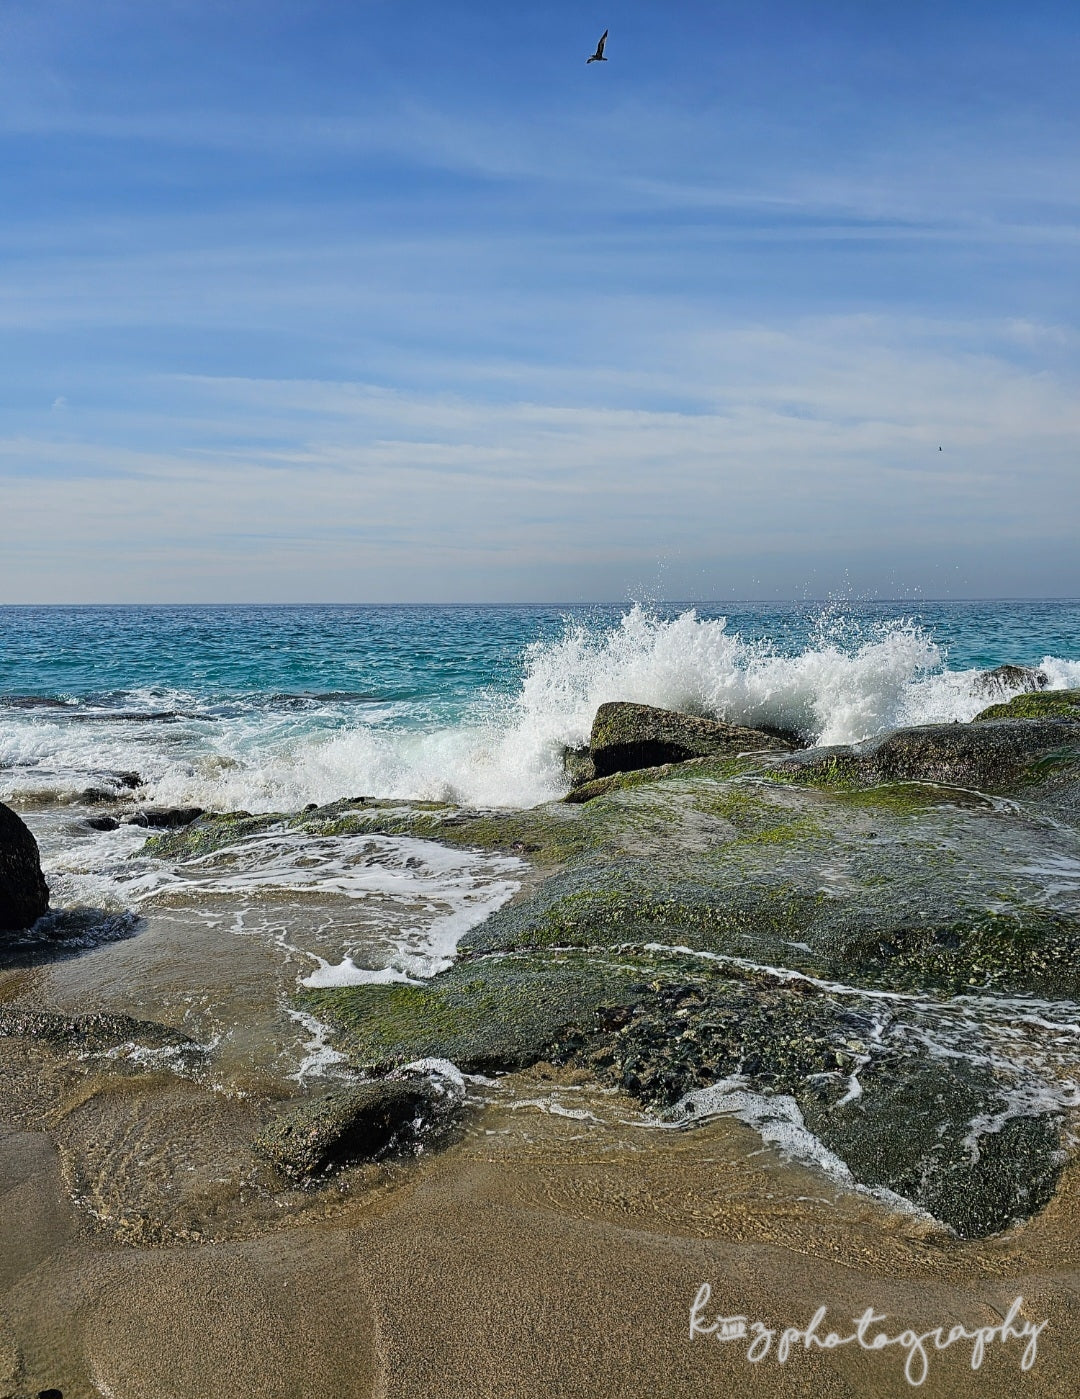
(867, 1334)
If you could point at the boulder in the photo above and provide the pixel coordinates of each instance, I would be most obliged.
(352, 1124)
(940, 1133)
(1004, 679)
(166, 818)
(24, 895)
(627, 736)
(578, 766)
(1044, 704)
(96, 1031)
(992, 754)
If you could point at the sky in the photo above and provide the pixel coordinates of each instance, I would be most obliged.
(375, 301)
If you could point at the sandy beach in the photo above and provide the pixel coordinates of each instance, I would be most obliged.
(542, 1255)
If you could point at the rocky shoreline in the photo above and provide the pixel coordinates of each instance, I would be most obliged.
(849, 934)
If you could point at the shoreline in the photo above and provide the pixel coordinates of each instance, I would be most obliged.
(557, 1239)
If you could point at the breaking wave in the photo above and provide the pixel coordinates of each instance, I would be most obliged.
(849, 681)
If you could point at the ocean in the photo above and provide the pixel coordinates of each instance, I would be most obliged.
(269, 708)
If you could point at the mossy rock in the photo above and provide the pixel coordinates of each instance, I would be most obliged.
(923, 1128)
(628, 736)
(487, 1015)
(1041, 704)
(96, 1031)
(208, 833)
(993, 755)
(347, 1125)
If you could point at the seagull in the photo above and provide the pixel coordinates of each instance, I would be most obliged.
(598, 56)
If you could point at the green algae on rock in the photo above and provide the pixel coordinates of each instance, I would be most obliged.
(734, 915)
(991, 756)
(95, 1031)
(486, 1015)
(1042, 704)
(627, 736)
(914, 1129)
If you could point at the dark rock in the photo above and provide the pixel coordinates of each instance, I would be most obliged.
(102, 823)
(94, 1031)
(354, 1124)
(165, 817)
(627, 736)
(96, 796)
(578, 765)
(24, 895)
(988, 755)
(913, 1130)
(1004, 678)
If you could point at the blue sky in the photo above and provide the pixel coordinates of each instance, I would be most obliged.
(402, 301)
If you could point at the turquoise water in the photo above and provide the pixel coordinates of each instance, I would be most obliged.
(267, 707)
(444, 654)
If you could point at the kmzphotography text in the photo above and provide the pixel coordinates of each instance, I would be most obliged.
(868, 1331)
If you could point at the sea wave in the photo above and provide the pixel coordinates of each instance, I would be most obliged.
(851, 681)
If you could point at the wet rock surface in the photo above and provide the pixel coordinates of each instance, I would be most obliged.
(914, 1129)
(992, 754)
(1051, 704)
(362, 1123)
(24, 895)
(93, 1031)
(1005, 678)
(856, 930)
(164, 817)
(628, 736)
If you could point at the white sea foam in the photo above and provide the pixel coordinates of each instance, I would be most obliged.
(348, 909)
(505, 750)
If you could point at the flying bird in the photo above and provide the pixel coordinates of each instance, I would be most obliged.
(598, 56)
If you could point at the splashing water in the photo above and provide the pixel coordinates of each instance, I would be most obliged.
(466, 705)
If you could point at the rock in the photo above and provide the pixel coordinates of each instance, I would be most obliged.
(24, 895)
(353, 1124)
(1005, 678)
(579, 766)
(661, 1026)
(490, 1015)
(1047, 704)
(913, 1129)
(93, 1031)
(97, 796)
(165, 817)
(639, 950)
(992, 756)
(102, 823)
(627, 736)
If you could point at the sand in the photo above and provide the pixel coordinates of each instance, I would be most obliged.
(542, 1255)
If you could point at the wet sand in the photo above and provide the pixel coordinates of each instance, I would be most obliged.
(541, 1255)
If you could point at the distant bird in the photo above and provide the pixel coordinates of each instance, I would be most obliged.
(941, 449)
(598, 56)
